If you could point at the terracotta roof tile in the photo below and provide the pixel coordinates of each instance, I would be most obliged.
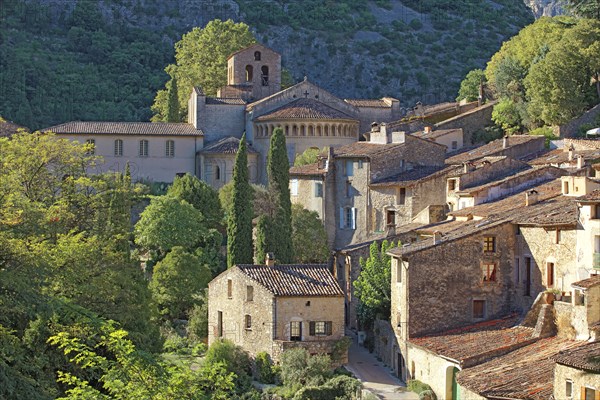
(554, 212)
(378, 103)
(592, 197)
(294, 280)
(226, 101)
(228, 145)
(590, 282)
(559, 156)
(307, 170)
(304, 108)
(407, 178)
(583, 144)
(126, 128)
(526, 373)
(437, 133)
(492, 148)
(586, 357)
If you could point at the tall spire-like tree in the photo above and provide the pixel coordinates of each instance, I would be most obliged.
(239, 219)
(173, 102)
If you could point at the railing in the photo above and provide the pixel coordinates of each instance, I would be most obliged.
(596, 261)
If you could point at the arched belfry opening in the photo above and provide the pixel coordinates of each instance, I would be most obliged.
(249, 73)
(265, 75)
(257, 56)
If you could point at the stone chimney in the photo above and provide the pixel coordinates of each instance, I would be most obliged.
(468, 167)
(270, 260)
(571, 154)
(531, 197)
(374, 127)
(580, 162)
(505, 142)
(437, 237)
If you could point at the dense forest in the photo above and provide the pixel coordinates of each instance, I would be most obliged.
(105, 60)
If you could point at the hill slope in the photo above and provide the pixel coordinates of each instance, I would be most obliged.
(104, 60)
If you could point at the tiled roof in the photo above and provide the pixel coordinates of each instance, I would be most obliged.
(437, 133)
(304, 108)
(238, 101)
(228, 145)
(198, 90)
(555, 212)
(415, 125)
(559, 156)
(365, 149)
(586, 357)
(294, 280)
(526, 373)
(307, 170)
(515, 175)
(471, 344)
(590, 282)
(592, 197)
(126, 128)
(407, 178)
(492, 148)
(583, 144)
(8, 128)
(379, 103)
(249, 47)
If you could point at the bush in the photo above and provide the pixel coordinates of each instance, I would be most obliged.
(235, 360)
(264, 368)
(197, 328)
(544, 131)
(340, 387)
(300, 368)
(422, 389)
(176, 344)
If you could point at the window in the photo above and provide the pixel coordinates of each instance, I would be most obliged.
(390, 217)
(517, 270)
(565, 187)
(550, 274)
(589, 394)
(294, 187)
(248, 321)
(320, 328)
(296, 331)
(360, 164)
(257, 56)
(488, 272)
(454, 145)
(401, 195)
(249, 293)
(318, 189)
(398, 271)
(249, 73)
(220, 323)
(348, 189)
(347, 218)
(217, 173)
(170, 148)
(265, 75)
(478, 309)
(349, 167)
(229, 288)
(596, 211)
(569, 389)
(91, 146)
(489, 244)
(118, 148)
(557, 237)
(143, 148)
(451, 184)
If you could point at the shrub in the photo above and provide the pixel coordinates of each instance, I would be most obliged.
(234, 359)
(176, 344)
(544, 131)
(422, 389)
(264, 368)
(300, 368)
(340, 387)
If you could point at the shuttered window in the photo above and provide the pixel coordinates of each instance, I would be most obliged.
(320, 328)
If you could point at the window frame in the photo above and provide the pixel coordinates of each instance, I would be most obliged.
(320, 328)
(92, 150)
(489, 242)
(229, 288)
(295, 331)
(294, 187)
(483, 308)
(349, 167)
(118, 148)
(248, 322)
(143, 149)
(170, 148)
(319, 189)
(489, 272)
(569, 389)
(249, 293)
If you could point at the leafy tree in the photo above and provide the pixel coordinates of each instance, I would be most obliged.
(262, 242)
(173, 102)
(372, 287)
(469, 87)
(168, 222)
(198, 318)
(200, 195)
(176, 281)
(507, 115)
(239, 217)
(310, 156)
(234, 359)
(299, 368)
(308, 236)
(209, 48)
(584, 8)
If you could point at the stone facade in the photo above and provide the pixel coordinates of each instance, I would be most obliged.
(571, 128)
(470, 121)
(218, 168)
(579, 380)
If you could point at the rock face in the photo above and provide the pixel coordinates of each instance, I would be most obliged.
(546, 8)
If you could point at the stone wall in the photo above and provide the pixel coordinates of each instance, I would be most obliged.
(306, 194)
(384, 341)
(236, 70)
(571, 128)
(580, 379)
(434, 370)
(222, 120)
(490, 172)
(471, 121)
(225, 162)
(313, 347)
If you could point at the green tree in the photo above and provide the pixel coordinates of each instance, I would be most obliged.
(584, 8)
(235, 360)
(239, 217)
(507, 115)
(469, 87)
(261, 242)
(200, 195)
(308, 236)
(173, 102)
(310, 156)
(201, 60)
(373, 285)
(299, 368)
(177, 281)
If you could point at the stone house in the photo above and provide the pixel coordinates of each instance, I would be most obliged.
(451, 138)
(273, 308)
(515, 146)
(577, 373)
(577, 162)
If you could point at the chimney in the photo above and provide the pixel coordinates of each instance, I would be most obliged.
(505, 142)
(580, 162)
(468, 167)
(437, 237)
(427, 129)
(531, 197)
(571, 154)
(374, 127)
(270, 261)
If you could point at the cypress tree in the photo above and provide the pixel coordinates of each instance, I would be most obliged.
(279, 231)
(239, 219)
(261, 244)
(173, 102)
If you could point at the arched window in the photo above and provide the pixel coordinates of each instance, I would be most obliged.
(265, 75)
(257, 56)
(249, 73)
(217, 173)
(118, 148)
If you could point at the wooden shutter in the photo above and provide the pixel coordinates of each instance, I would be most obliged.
(311, 328)
(328, 328)
(342, 225)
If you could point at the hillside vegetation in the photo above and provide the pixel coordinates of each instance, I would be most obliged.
(104, 60)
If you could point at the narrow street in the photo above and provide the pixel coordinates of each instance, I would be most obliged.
(375, 376)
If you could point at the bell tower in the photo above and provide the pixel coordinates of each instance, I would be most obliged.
(255, 71)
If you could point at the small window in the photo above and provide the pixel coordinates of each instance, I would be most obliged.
(229, 288)
(518, 230)
(294, 187)
(401, 196)
(170, 148)
(557, 236)
(489, 244)
(318, 189)
(257, 56)
(248, 321)
(390, 217)
(348, 189)
(143, 148)
(478, 309)
(350, 218)
(488, 272)
(451, 184)
(217, 173)
(296, 331)
(454, 145)
(118, 148)
(349, 167)
(360, 164)
(569, 389)
(589, 394)
(320, 328)
(399, 271)
(249, 293)
(550, 274)
(265, 75)
(596, 211)
(91, 144)
(220, 323)
(565, 187)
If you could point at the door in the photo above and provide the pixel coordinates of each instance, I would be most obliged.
(400, 370)
(527, 276)
(455, 385)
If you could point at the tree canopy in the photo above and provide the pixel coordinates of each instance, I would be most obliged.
(469, 87)
(308, 236)
(201, 60)
(200, 195)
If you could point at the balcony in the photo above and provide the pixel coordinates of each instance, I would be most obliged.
(596, 261)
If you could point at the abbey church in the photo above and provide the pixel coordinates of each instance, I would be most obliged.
(251, 103)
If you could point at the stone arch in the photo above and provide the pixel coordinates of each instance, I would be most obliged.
(326, 130)
(311, 130)
(265, 75)
(294, 130)
(302, 130)
(319, 130)
(249, 73)
(286, 130)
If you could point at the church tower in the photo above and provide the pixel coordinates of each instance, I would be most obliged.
(253, 73)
